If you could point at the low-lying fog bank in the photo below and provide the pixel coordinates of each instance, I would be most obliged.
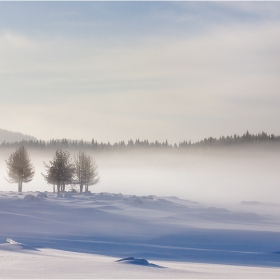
(208, 175)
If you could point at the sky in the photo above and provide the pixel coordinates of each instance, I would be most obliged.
(116, 71)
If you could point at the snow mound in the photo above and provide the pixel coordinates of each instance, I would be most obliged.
(87, 193)
(11, 241)
(65, 195)
(13, 245)
(30, 197)
(42, 195)
(68, 195)
(148, 197)
(138, 200)
(132, 260)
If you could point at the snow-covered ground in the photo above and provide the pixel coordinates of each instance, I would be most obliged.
(83, 236)
(53, 264)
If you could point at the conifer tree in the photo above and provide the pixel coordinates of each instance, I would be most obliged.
(60, 171)
(85, 171)
(92, 177)
(19, 167)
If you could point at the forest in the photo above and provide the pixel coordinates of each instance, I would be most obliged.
(94, 145)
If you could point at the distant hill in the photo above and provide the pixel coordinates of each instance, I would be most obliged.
(9, 136)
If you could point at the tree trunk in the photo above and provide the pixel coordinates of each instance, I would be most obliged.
(58, 188)
(53, 188)
(18, 186)
(81, 188)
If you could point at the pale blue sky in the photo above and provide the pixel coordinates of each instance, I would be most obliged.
(150, 70)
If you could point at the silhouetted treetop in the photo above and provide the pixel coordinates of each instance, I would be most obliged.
(93, 145)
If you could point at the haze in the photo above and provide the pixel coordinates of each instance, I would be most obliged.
(212, 176)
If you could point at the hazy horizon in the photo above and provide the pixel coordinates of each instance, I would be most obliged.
(18, 136)
(222, 176)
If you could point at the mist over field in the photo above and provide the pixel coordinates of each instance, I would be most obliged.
(149, 70)
(224, 175)
(178, 104)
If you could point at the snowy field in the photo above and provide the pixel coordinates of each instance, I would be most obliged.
(84, 236)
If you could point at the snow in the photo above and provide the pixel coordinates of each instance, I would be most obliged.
(105, 235)
(30, 197)
(42, 194)
(132, 260)
(54, 264)
(11, 241)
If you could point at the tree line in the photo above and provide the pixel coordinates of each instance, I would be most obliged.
(60, 171)
(145, 144)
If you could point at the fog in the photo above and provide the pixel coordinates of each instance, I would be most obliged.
(213, 176)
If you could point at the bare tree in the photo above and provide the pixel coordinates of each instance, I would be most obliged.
(19, 168)
(60, 171)
(85, 171)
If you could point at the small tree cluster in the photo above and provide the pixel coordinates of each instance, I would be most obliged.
(19, 168)
(61, 171)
